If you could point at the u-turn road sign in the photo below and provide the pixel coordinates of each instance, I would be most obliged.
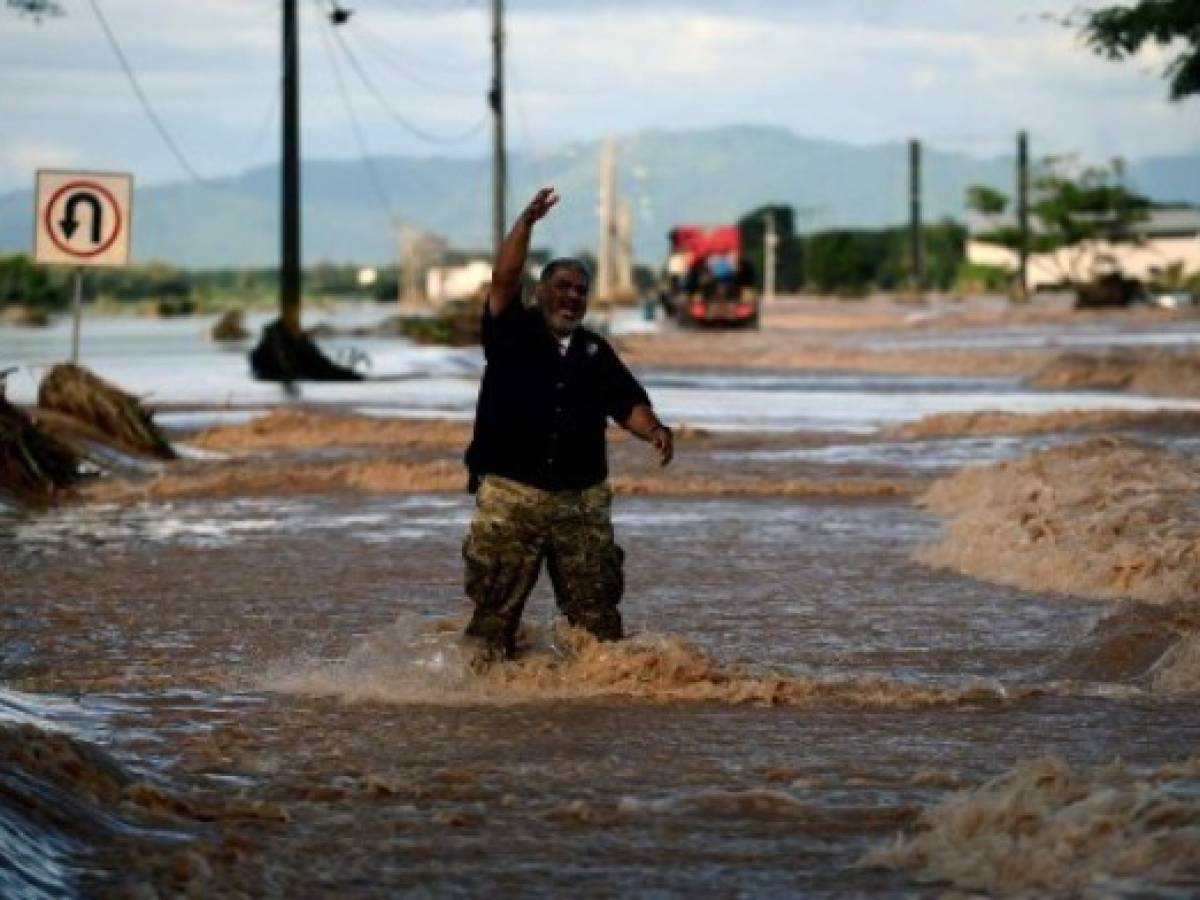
(83, 218)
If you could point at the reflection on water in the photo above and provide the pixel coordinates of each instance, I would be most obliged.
(1072, 335)
(941, 454)
(171, 362)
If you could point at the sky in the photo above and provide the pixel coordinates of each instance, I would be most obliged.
(959, 74)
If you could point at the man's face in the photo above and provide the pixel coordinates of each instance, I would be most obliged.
(563, 299)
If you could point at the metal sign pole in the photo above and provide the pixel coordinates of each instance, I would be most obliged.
(78, 316)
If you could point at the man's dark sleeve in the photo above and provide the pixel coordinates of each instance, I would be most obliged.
(622, 392)
(496, 330)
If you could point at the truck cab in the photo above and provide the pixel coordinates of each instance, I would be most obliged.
(706, 282)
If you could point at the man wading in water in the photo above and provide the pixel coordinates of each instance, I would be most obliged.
(538, 458)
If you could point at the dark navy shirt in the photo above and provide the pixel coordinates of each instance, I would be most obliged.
(542, 414)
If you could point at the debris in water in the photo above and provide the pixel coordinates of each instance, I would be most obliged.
(281, 356)
(230, 327)
(34, 466)
(76, 392)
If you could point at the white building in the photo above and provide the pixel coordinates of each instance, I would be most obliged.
(1166, 238)
(446, 283)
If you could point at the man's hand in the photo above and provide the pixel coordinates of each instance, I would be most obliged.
(645, 424)
(543, 201)
(510, 262)
(664, 443)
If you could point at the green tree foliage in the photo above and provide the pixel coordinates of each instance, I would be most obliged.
(1072, 206)
(26, 284)
(1120, 31)
(154, 281)
(854, 262)
(789, 251)
(849, 262)
(1094, 204)
(986, 200)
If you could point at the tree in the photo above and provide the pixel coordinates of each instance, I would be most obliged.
(789, 251)
(1118, 32)
(1074, 212)
(986, 200)
(22, 283)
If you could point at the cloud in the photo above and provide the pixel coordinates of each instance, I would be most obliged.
(866, 71)
(28, 156)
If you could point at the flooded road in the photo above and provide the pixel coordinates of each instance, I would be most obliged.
(263, 692)
(294, 655)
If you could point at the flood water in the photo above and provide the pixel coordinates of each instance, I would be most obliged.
(266, 694)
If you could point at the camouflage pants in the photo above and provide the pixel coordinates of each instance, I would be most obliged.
(515, 528)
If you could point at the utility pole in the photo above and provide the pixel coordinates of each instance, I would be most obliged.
(289, 257)
(496, 101)
(605, 261)
(916, 244)
(623, 254)
(770, 244)
(1022, 214)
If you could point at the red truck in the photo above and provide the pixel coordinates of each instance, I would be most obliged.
(706, 281)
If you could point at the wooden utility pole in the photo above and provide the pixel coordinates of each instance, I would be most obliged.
(916, 242)
(623, 253)
(1022, 214)
(606, 275)
(289, 256)
(770, 245)
(496, 101)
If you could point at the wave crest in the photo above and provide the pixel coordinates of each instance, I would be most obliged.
(1044, 827)
(1106, 519)
(415, 663)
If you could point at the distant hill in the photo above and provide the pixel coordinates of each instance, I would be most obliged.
(709, 176)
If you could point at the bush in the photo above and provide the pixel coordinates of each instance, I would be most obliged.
(24, 283)
(973, 278)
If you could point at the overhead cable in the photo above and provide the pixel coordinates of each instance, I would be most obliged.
(158, 124)
(425, 62)
(402, 120)
(382, 51)
(364, 152)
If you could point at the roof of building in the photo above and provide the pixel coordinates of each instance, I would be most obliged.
(1159, 222)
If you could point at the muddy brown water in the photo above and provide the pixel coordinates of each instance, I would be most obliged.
(281, 673)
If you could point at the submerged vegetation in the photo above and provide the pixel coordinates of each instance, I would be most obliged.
(34, 466)
(76, 392)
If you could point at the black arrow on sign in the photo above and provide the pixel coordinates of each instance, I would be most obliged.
(68, 222)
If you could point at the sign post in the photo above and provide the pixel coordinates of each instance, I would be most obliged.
(82, 219)
(76, 316)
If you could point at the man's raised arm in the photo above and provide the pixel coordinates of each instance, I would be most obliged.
(510, 263)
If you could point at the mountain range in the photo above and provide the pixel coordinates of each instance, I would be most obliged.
(701, 176)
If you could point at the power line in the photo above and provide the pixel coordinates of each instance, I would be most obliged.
(159, 126)
(264, 125)
(433, 6)
(389, 58)
(531, 147)
(364, 151)
(404, 122)
(425, 62)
